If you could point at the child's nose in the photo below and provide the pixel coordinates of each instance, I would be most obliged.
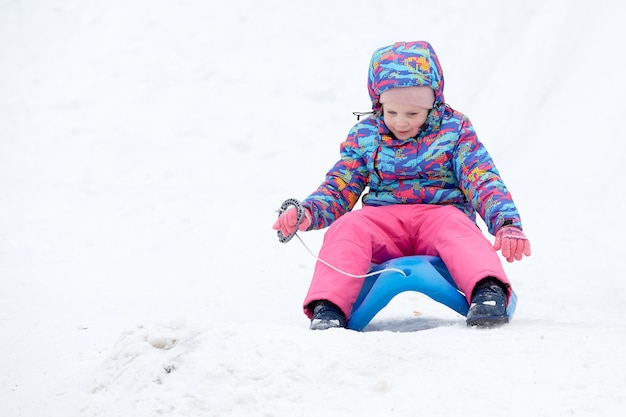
(402, 120)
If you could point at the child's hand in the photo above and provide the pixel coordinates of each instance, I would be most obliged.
(513, 243)
(286, 222)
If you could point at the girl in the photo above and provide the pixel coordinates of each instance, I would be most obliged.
(424, 176)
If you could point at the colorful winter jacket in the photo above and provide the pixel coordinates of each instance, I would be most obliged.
(444, 164)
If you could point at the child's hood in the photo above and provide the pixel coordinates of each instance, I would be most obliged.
(404, 64)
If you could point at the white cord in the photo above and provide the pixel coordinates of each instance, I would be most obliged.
(347, 273)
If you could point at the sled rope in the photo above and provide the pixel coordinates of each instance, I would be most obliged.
(284, 239)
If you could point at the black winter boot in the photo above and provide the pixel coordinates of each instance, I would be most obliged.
(326, 315)
(488, 307)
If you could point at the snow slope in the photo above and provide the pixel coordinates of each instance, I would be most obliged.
(145, 146)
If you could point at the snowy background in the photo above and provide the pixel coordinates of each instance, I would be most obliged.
(146, 144)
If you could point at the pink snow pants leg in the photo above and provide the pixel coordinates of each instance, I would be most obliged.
(373, 235)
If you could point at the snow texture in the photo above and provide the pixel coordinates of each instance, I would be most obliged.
(146, 144)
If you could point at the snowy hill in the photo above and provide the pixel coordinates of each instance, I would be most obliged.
(145, 146)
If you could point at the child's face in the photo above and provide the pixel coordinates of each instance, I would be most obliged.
(404, 120)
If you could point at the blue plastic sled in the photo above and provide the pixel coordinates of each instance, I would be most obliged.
(425, 274)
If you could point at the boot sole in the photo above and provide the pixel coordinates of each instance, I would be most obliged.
(487, 322)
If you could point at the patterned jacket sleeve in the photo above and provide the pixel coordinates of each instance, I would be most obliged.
(343, 186)
(480, 181)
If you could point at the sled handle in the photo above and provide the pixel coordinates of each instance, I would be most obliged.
(290, 202)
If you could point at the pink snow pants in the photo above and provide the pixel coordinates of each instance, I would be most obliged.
(373, 235)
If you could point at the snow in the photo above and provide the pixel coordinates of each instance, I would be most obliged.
(145, 146)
